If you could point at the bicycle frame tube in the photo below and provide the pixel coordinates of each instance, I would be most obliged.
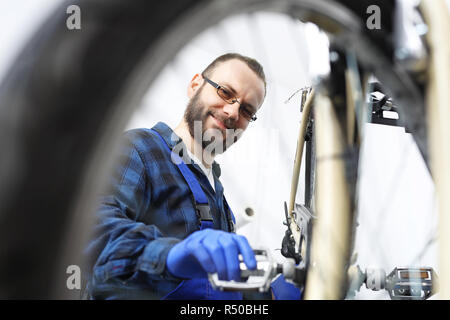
(297, 163)
(437, 98)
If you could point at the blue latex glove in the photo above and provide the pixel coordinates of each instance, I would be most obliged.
(210, 251)
(283, 290)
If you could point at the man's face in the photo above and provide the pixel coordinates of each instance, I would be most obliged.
(217, 118)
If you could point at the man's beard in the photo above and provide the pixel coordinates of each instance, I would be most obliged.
(197, 112)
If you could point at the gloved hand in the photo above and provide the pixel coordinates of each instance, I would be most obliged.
(283, 290)
(210, 251)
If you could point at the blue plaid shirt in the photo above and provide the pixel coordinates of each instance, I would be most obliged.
(147, 209)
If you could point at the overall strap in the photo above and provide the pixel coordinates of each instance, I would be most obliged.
(231, 219)
(201, 201)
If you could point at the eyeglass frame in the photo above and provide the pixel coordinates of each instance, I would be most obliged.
(234, 100)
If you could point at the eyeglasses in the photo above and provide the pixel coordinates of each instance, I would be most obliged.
(226, 94)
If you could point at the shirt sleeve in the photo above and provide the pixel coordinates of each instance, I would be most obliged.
(124, 246)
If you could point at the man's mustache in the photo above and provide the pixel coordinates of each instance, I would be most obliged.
(228, 122)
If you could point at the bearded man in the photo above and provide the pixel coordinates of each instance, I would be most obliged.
(164, 222)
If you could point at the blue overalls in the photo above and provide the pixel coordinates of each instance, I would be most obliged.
(198, 288)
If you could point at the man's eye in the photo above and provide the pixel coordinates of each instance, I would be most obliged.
(226, 94)
(247, 112)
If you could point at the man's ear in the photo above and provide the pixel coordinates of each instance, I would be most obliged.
(194, 85)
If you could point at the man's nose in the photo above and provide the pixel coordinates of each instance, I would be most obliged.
(232, 110)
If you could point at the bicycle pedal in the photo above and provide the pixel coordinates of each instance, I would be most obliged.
(251, 280)
(411, 283)
(403, 283)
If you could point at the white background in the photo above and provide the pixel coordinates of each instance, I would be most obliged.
(397, 208)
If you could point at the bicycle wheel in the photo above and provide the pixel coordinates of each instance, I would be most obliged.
(69, 95)
(335, 166)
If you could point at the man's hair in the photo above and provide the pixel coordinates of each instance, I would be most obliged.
(250, 62)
